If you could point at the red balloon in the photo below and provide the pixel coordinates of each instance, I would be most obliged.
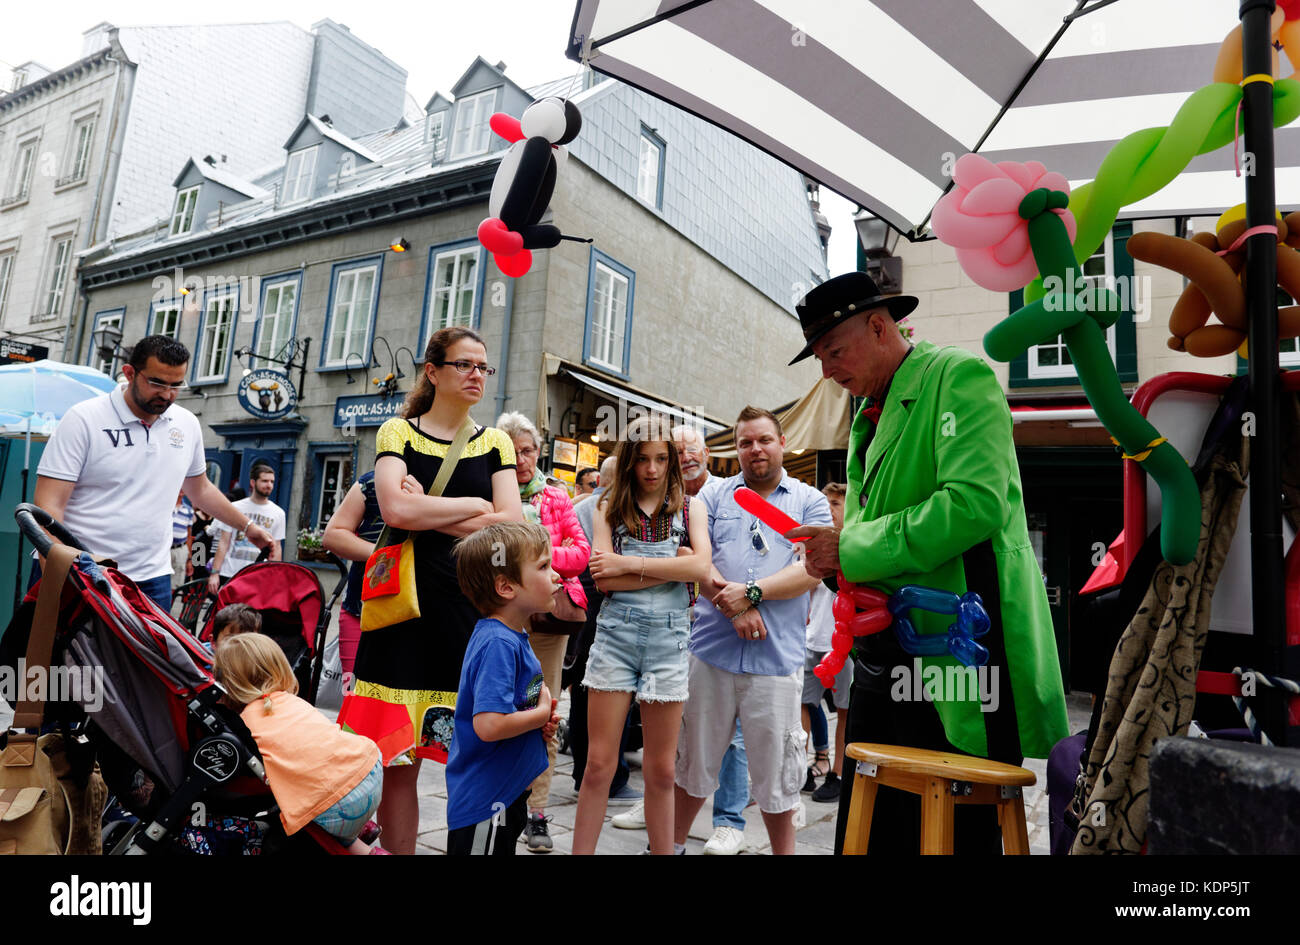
(843, 608)
(515, 265)
(506, 126)
(870, 621)
(764, 511)
(868, 598)
(841, 642)
(496, 237)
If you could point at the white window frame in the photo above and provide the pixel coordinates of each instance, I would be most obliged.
(161, 309)
(1033, 368)
(470, 133)
(183, 212)
(352, 314)
(216, 337)
(440, 119)
(647, 182)
(6, 279)
(300, 174)
(269, 344)
(103, 320)
(343, 483)
(76, 165)
(608, 327)
(20, 183)
(54, 284)
(456, 313)
(20, 79)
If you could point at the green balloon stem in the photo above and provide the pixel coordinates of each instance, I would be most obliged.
(1067, 313)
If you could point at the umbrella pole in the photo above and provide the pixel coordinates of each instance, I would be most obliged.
(1268, 583)
(18, 564)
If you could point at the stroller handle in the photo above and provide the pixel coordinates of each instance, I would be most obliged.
(34, 521)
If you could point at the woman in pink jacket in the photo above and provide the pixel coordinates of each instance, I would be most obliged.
(569, 553)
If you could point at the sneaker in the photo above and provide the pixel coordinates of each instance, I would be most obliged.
(538, 836)
(370, 833)
(829, 791)
(809, 784)
(631, 819)
(624, 795)
(726, 841)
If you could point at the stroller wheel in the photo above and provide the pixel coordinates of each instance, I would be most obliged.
(562, 737)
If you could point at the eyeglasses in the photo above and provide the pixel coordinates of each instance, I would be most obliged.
(156, 384)
(756, 538)
(465, 367)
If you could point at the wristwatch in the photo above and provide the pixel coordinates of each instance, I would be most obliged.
(754, 593)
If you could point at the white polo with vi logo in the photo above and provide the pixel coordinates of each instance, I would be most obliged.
(127, 476)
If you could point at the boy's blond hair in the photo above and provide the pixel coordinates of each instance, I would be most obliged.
(251, 666)
(503, 548)
(836, 489)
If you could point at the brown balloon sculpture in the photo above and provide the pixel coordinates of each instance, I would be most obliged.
(1213, 265)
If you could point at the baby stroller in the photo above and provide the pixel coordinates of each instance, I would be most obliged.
(176, 759)
(294, 612)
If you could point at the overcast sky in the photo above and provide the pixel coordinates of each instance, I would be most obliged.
(434, 41)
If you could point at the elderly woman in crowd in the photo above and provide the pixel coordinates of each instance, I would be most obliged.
(549, 633)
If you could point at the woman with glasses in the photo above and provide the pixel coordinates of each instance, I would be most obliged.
(651, 546)
(416, 664)
(549, 633)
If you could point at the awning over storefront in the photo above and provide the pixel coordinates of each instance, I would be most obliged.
(819, 420)
(623, 393)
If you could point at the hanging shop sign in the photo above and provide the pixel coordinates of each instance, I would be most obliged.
(366, 410)
(267, 394)
(20, 352)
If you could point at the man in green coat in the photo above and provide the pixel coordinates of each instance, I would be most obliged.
(933, 500)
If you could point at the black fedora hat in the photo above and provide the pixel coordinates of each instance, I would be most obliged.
(840, 298)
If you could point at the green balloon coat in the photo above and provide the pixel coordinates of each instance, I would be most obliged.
(941, 478)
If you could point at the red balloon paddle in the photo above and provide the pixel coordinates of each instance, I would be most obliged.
(764, 511)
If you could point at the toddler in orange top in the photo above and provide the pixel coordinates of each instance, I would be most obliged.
(317, 771)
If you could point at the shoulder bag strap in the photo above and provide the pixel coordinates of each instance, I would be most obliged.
(30, 713)
(453, 456)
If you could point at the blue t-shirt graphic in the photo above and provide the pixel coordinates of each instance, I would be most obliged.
(500, 674)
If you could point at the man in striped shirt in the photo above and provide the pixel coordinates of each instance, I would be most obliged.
(182, 519)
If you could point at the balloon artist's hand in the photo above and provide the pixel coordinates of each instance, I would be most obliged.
(821, 548)
(730, 598)
(749, 625)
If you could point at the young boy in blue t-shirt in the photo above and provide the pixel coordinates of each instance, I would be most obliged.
(504, 713)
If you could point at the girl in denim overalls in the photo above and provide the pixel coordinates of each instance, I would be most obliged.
(649, 548)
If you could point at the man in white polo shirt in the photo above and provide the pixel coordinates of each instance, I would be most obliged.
(112, 469)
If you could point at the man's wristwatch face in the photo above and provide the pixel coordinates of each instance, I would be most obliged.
(754, 593)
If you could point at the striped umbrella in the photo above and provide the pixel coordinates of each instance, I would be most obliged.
(876, 99)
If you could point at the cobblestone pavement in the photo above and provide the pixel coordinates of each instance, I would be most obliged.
(816, 837)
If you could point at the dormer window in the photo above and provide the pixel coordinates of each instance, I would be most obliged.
(20, 79)
(433, 126)
(183, 215)
(299, 175)
(472, 134)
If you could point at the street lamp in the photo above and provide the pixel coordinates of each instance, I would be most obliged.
(876, 242)
(107, 342)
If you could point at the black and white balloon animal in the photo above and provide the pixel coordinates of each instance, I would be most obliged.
(525, 181)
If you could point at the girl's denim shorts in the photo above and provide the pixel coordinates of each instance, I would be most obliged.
(345, 818)
(640, 651)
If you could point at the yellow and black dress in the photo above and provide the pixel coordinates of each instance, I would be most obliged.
(416, 664)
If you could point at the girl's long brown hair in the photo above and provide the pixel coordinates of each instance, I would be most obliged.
(620, 501)
(420, 399)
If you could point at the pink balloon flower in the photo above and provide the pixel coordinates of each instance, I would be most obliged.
(979, 218)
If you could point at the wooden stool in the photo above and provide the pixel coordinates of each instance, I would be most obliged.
(942, 779)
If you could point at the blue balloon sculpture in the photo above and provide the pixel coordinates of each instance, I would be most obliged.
(972, 622)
